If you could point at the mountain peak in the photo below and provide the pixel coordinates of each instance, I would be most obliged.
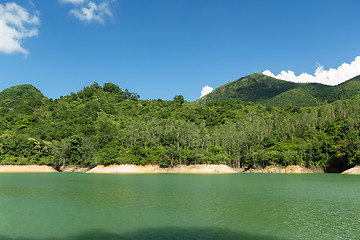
(20, 93)
(263, 89)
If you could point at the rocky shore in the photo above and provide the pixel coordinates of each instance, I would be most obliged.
(74, 169)
(287, 169)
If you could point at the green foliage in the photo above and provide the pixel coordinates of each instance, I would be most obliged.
(21, 94)
(106, 125)
(179, 99)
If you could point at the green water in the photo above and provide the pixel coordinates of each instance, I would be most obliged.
(71, 206)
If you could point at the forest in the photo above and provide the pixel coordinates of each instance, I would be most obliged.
(106, 125)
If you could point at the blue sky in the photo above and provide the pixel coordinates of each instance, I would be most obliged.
(162, 48)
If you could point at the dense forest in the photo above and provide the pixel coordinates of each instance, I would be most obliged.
(106, 125)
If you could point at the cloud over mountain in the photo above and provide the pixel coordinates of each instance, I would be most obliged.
(206, 90)
(332, 76)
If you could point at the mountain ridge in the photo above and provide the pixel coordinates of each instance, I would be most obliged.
(266, 90)
(257, 88)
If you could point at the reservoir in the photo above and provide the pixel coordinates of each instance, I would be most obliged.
(74, 206)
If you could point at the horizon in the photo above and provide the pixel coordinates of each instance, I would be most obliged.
(160, 48)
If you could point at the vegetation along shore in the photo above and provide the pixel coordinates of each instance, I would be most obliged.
(192, 169)
(104, 125)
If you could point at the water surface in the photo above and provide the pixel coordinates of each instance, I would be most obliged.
(71, 206)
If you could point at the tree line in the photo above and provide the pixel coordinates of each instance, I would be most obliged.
(106, 125)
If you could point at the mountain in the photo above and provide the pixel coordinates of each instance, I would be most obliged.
(105, 125)
(16, 95)
(259, 88)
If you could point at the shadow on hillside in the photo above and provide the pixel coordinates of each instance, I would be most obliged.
(174, 233)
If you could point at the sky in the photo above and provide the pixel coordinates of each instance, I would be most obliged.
(164, 48)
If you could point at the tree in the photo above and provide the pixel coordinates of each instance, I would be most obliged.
(111, 88)
(179, 99)
(59, 152)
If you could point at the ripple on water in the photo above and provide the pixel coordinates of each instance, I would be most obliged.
(318, 206)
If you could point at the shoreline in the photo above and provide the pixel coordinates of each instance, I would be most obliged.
(296, 169)
(189, 169)
(200, 169)
(354, 171)
(26, 169)
(184, 169)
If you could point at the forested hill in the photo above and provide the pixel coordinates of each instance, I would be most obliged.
(106, 125)
(20, 94)
(259, 88)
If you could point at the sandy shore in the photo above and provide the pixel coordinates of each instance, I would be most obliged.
(25, 169)
(354, 170)
(287, 169)
(195, 169)
(198, 169)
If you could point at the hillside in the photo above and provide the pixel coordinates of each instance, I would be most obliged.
(17, 95)
(106, 125)
(259, 88)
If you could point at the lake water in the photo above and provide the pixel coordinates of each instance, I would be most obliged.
(72, 206)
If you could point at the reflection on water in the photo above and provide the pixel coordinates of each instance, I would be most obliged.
(174, 233)
(174, 206)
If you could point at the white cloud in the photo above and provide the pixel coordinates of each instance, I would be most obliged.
(206, 90)
(329, 77)
(89, 11)
(73, 1)
(16, 23)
